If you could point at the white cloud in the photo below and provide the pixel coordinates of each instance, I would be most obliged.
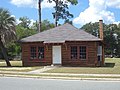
(46, 4)
(32, 3)
(97, 10)
(32, 21)
(18, 21)
(113, 3)
(24, 3)
(116, 22)
(13, 16)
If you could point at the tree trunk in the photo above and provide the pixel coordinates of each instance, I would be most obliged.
(4, 53)
(39, 10)
(56, 13)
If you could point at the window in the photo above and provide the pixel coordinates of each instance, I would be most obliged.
(33, 53)
(36, 52)
(40, 52)
(82, 52)
(73, 52)
(78, 52)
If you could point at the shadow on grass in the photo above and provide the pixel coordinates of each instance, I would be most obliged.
(10, 66)
(111, 65)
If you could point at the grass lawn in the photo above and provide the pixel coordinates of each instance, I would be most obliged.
(112, 67)
(13, 63)
(16, 66)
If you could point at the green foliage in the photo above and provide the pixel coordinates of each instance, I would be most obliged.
(14, 48)
(91, 28)
(73, 2)
(24, 32)
(24, 22)
(61, 9)
(7, 26)
(7, 31)
(47, 25)
(111, 36)
(68, 21)
(34, 26)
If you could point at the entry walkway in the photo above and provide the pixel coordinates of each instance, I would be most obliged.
(46, 68)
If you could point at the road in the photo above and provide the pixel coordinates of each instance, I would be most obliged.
(8, 83)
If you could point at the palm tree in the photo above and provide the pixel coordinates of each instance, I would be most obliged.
(7, 31)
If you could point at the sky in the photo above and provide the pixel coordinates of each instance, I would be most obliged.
(84, 12)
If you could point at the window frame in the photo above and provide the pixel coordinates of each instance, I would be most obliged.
(72, 52)
(37, 53)
(33, 53)
(83, 53)
(43, 53)
(78, 52)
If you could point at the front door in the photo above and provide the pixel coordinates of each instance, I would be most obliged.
(56, 54)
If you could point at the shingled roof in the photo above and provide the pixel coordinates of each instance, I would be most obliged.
(61, 34)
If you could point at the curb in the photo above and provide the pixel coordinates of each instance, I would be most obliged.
(60, 77)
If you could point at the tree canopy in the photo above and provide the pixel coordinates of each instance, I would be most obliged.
(111, 36)
(61, 10)
(23, 31)
(7, 31)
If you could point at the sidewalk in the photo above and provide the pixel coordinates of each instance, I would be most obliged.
(61, 76)
(39, 73)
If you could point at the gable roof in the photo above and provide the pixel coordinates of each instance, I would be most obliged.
(61, 34)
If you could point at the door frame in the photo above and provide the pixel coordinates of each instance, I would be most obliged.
(54, 48)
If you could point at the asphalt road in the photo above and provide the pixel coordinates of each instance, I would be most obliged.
(7, 83)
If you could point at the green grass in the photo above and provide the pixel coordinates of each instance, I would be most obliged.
(16, 66)
(13, 63)
(112, 67)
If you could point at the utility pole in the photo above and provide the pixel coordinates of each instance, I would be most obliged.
(39, 12)
(56, 14)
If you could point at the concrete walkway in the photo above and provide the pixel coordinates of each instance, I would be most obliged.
(46, 68)
(70, 74)
(66, 76)
(38, 71)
